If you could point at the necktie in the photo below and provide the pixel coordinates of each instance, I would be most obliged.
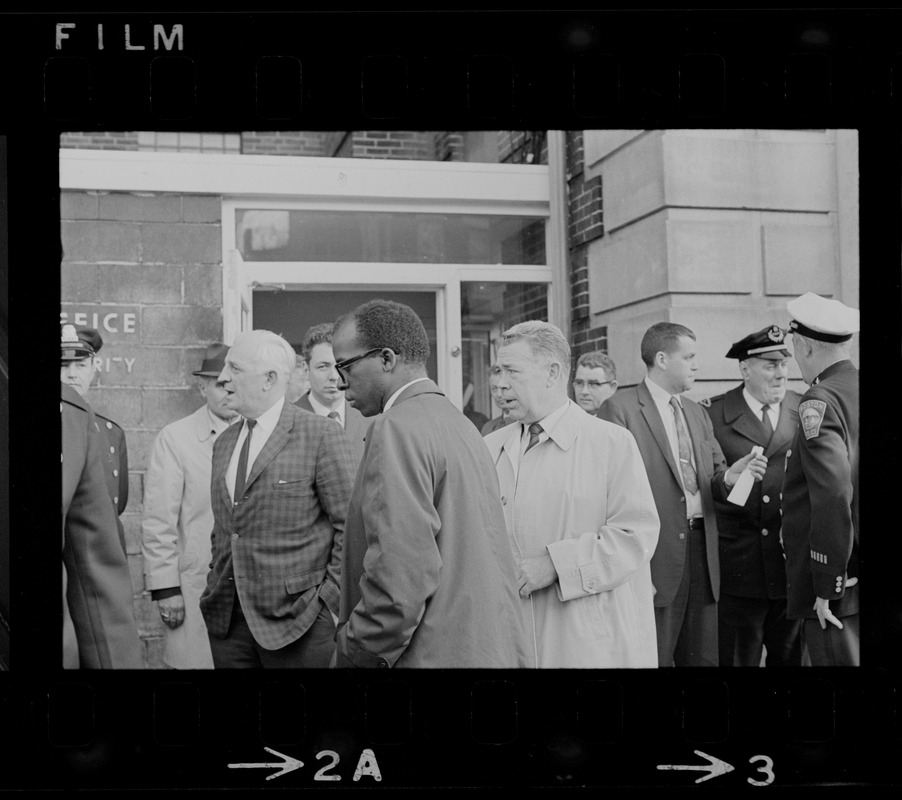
(768, 425)
(534, 430)
(690, 483)
(241, 474)
(334, 415)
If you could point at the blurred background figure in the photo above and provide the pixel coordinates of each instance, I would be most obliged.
(298, 384)
(79, 346)
(178, 518)
(505, 418)
(595, 380)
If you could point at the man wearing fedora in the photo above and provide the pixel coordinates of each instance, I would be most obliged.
(178, 518)
(760, 411)
(79, 346)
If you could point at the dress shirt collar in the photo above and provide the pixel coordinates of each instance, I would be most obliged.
(661, 396)
(391, 400)
(548, 423)
(757, 405)
(324, 411)
(266, 422)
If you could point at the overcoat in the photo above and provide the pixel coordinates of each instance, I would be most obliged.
(582, 497)
(820, 496)
(634, 409)
(99, 628)
(177, 524)
(428, 576)
(279, 546)
(752, 563)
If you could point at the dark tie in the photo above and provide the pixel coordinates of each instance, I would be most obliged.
(534, 430)
(334, 415)
(768, 425)
(690, 483)
(241, 474)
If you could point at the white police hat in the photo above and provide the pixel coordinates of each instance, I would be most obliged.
(819, 318)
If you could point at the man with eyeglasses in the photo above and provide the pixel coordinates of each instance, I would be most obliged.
(427, 576)
(324, 397)
(595, 381)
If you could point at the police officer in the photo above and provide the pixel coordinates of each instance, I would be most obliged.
(79, 345)
(820, 489)
(752, 619)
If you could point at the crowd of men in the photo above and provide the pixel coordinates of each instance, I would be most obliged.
(366, 522)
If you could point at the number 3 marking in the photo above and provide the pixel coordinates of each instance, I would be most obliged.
(766, 769)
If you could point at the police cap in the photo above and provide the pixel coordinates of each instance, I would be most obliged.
(819, 318)
(78, 342)
(769, 343)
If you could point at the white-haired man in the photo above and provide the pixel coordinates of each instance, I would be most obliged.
(580, 513)
(280, 486)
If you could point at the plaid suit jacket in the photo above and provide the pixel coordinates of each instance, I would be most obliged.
(279, 547)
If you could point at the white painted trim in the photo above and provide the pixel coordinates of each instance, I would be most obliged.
(316, 179)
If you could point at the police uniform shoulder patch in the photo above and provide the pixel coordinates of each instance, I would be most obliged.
(811, 414)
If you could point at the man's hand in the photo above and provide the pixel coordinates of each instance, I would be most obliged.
(824, 614)
(534, 574)
(172, 610)
(756, 464)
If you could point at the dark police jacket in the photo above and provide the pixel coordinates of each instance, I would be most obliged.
(751, 555)
(820, 496)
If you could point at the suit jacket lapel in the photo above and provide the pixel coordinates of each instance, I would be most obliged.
(656, 425)
(222, 456)
(274, 444)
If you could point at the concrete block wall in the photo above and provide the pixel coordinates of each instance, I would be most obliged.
(145, 270)
(717, 230)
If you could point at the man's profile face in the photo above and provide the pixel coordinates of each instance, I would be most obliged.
(322, 375)
(591, 387)
(243, 381)
(216, 396)
(681, 364)
(765, 378)
(363, 382)
(526, 385)
(78, 374)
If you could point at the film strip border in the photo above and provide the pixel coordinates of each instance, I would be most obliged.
(591, 69)
(456, 729)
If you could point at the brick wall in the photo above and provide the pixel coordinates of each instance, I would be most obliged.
(417, 145)
(100, 140)
(449, 146)
(290, 143)
(146, 271)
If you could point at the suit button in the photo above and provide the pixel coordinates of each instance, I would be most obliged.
(765, 499)
(764, 531)
(682, 535)
(504, 501)
(383, 664)
(234, 536)
(115, 473)
(682, 499)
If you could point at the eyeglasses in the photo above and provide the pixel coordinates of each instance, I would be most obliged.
(342, 366)
(590, 384)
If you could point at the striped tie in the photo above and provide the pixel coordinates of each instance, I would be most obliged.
(534, 430)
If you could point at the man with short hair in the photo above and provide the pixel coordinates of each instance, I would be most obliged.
(687, 471)
(324, 397)
(580, 513)
(178, 517)
(820, 489)
(595, 381)
(505, 418)
(428, 577)
(760, 412)
(80, 345)
(279, 488)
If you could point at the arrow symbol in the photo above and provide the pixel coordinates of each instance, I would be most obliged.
(287, 764)
(715, 767)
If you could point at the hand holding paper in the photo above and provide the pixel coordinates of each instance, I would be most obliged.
(752, 466)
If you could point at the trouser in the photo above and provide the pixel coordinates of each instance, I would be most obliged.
(833, 647)
(239, 649)
(750, 626)
(687, 628)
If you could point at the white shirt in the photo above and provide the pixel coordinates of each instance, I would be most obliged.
(547, 422)
(324, 411)
(391, 400)
(756, 405)
(662, 402)
(266, 424)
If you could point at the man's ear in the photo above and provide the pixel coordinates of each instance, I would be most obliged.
(554, 372)
(389, 358)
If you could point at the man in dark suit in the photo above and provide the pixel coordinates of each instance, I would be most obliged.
(324, 397)
(427, 578)
(820, 490)
(686, 470)
(279, 488)
(758, 412)
(99, 630)
(79, 346)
